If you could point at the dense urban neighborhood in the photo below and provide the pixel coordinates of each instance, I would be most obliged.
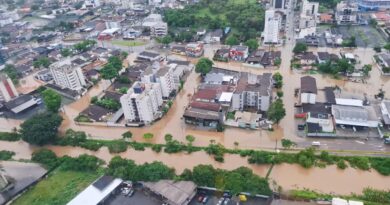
(189, 102)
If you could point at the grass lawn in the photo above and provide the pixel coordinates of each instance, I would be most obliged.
(127, 43)
(59, 188)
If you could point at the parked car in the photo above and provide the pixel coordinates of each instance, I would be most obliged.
(131, 193)
(205, 199)
(220, 202)
(387, 141)
(301, 127)
(316, 143)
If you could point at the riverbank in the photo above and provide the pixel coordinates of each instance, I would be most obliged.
(289, 176)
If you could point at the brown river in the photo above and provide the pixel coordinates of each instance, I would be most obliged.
(327, 180)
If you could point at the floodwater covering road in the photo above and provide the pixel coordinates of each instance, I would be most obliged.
(289, 176)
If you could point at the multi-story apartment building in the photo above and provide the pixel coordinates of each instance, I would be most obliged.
(157, 26)
(253, 92)
(308, 19)
(67, 75)
(7, 89)
(271, 27)
(165, 77)
(142, 102)
(346, 13)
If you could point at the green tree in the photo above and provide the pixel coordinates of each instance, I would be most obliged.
(168, 137)
(204, 175)
(127, 135)
(276, 111)
(45, 157)
(84, 45)
(11, 72)
(66, 52)
(116, 62)
(166, 40)
(300, 47)
(204, 66)
(278, 80)
(367, 69)
(124, 55)
(232, 40)
(52, 100)
(277, 62)
(387, 47)
(109, 72)
(83, 163)
(42, 62)
(190, 139)
(41, 128)
(252, 44)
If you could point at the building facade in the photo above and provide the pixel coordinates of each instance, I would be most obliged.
(142, 102)
(308, 19)
(68, 76)
(7, 89)
(165, 77)
(271, 27)
(346, 13)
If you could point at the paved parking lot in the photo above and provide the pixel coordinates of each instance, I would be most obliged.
(366, 36)
(139, 198)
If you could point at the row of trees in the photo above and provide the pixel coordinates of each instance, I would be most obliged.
(112, 68)
(246, 19)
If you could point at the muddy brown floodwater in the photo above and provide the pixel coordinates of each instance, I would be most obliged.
(327, 180)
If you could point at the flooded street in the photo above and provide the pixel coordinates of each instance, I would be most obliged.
(327, 180)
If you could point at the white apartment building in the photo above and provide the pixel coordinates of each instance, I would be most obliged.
(271, 27)
(68, 76)
(253, 91)
(165, 77)
(157, 26)
(346, 13)
(142, 102)
(308, 19)
(7, 89)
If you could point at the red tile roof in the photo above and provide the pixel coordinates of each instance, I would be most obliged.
(206, 106)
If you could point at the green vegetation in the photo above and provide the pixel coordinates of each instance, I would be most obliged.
(336, 67)
(232, 40)
(278, 80)
(112, 68)
(252, 44)
(148, 136)
(351, 42)
(245, 17)
(369, 196)
(117, 146)
(84, 45)
(45, 157)
(66, 52)
(58, 189)
(204, 66)
(300, 48)
(41, 128)
(277, 62)
(82, 118)
(286, 143)
(10, 136)
(276, 111)
(230, 115)
(6, 155)
(238, 180)
(128, 170)
(42, 62)
(217, 150)
(127, 135)
(52, 100)
(11, 72)
(108, 103)
(127, 43)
